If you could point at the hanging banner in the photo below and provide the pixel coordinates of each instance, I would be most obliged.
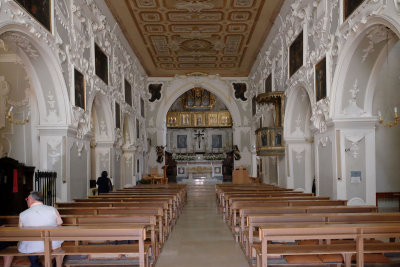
(15, 181)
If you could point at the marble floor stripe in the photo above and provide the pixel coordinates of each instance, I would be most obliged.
(201, 238)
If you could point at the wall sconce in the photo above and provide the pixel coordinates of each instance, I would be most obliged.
(311, 140)
(391, 123)
(11, 120)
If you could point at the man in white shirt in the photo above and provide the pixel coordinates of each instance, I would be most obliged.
(38, 215)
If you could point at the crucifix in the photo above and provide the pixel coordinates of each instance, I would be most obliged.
(199, 134)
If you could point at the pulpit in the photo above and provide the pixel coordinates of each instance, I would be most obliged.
(16, 182)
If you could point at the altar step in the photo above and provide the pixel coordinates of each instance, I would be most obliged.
(199, 181)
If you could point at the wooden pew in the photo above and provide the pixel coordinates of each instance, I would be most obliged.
(148, 220)
(255, 221)
(280, 203)
(245, 212)
(78, 233)
(357, 232)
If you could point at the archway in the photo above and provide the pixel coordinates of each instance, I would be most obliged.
(366, 158)
(199, 137)
(299, 140)
(128, 153)
(102, 136)
(44, 96)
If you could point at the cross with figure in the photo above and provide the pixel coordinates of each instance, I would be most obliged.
(199, 134)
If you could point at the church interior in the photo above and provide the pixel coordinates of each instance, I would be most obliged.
(226, 127)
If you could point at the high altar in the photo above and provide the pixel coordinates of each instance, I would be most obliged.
(199, 168)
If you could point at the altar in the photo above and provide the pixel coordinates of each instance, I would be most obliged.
(199, 169)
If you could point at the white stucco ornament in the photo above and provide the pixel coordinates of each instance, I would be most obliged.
(4, 91)
(320, 114)
(397, 4)
(352, 108)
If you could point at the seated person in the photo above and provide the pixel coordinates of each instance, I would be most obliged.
(41, 215)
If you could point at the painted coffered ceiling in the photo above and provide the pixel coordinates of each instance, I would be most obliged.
(207, 36)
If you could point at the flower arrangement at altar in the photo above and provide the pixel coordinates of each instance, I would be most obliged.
(214, 156)
(183, 157)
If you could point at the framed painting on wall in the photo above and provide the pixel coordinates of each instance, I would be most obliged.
(212, 119)
(320, 80)
(268, 84)
(181, 141)
(296, 54)
(128, 93)
(137, 129)
(39, 9)
(142, 107)
(79, 84)
(199, 119)
(349, 6)
(101, 63)
(216, 141)
(185, 119)
(117, 116)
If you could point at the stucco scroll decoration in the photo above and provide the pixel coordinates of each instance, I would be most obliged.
(81, 120)
(320, 114)
(323, 141)
(354, 146)
(54, 150)
(119, 139)
(4, 91)
(397, 5)
(375, 36)
(23, 43)
(299, 153)
(352, 108)
(194, 6)
(80, 145)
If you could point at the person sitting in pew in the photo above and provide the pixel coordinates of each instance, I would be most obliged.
(104, 183)
(40, 215)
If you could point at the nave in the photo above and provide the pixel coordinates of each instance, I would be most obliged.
(201, 238)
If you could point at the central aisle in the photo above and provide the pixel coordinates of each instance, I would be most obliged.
(201, 238)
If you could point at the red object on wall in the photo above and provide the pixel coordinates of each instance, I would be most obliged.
(15, 181)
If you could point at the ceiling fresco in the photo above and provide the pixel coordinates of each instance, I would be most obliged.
(208, 36)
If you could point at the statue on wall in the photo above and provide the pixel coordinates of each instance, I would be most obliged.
(240, 89)
(155, 91)
(236, 152)
(160, 153)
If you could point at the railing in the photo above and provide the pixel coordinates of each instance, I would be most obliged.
(45, 182)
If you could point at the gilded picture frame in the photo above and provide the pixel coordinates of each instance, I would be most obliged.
(199, 120)
(185, 119)
(212, 119)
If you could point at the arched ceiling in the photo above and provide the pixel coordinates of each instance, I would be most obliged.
(181, 36)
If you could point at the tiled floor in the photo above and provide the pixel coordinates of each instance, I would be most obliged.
(201, 238)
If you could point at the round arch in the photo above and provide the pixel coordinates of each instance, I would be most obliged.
(347, 55)
(100, 105)
(45, 72)
(172, 96)
(293, 104)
